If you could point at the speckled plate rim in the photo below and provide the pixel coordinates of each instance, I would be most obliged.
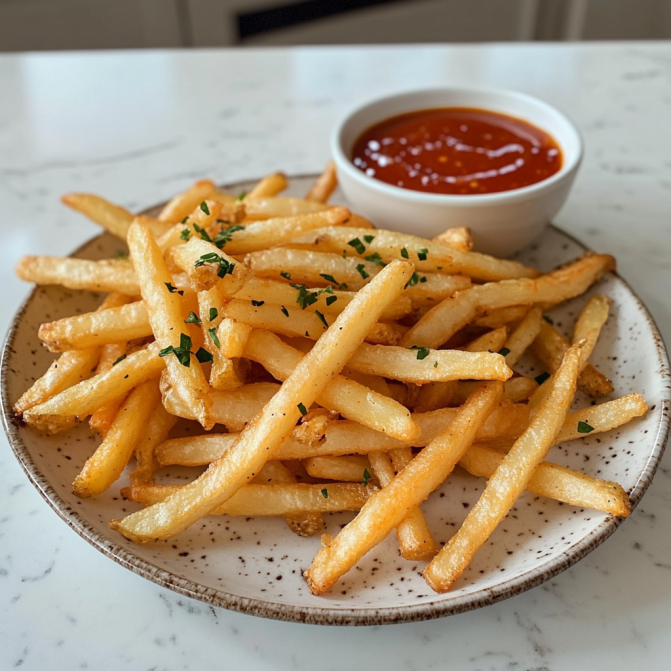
(331, 616)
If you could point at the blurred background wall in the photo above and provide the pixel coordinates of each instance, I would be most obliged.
(121, 24)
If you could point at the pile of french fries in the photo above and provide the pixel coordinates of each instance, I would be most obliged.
(331, 366)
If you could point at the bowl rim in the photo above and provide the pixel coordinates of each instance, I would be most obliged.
(569, 167)
(309, 614)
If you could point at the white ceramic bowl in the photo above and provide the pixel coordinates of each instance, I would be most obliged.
(502, 223)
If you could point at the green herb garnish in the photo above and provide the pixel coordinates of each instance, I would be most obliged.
(584, 427)
(225, 267)
(325, 493)
(422, 352)
(330, 300)
(121, 255)
(286, 275)
(213, 336)
(241, 197)
(548, 319)
(422, 254)
(542, 377)
(185, 234)
(404, 253)
(504, 351)
(358, 245)
(204, 356)
(214, 313)
(414, 280)
(375, 258)
(322, 319)
(221, 238)
(121, 358)
(257, 304)
(362, 271)
(366, 477)
(369, 238)
(183, 352)
(193, 318)
(202, 232)
(205, 208)
(303, 410)
(172, 289)
(285, 311)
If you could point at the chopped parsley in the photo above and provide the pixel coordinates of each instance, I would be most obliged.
(404, 253)
(330, 300)
(325, 493)
(359, 247)
(172, 289)
(183, 352)
(213, 336)
(193, 318)
(435, 364)
(241, 197)
(257, 304)
(422, 254)
(285, 311)
(286, 275)
(214, 313)
(121, 358)
(204, 356)
(202, 232)
(225, 267)
(344, 253)
(362, 271)
(584, 427)
(303, 410)
(415, 279)
(322, 319)
(205, 208)
(369, 238)
(422, 352)
(306, 298)
(221, 238)
(121, 255)
(375, 258)
(504, 351)
(548, 319)
(542, 377)
(185, 220)
(366, 477)
(185, 234)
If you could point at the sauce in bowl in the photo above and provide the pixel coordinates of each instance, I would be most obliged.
(457, 151)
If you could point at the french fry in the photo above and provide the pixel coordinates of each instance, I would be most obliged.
(374, 382)
(233, 337)
(589, 324)
(114, 218)
(270, 185)
(458, 237)
(109, 460)
(555, 482)
(111, 275)
(207, 266)
(415, 540)
(268, 500)
(153, 433)
(325, 185)
(494, 319)
(427, 256)
(386, 508)
(200, 223)
(260, 235)
(434, 365)
(280, 293)
(515, 390)
(183, 204)
(62, 410)
(435, 395)
(550, 347)
(274, 206)
(351, 468)
(525, 333)
(265, 434)
(436, 288)
(439, 324)
(509, 480)
(341, 395)
(492, 341)
(165, 316)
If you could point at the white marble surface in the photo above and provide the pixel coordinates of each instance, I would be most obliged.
(136, 127)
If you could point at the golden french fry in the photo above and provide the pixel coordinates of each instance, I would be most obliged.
(265, 434)
(589, 324)
(61, 411)
(550, 347)
(492, 341)
(111, 275)
(436, 288)
(274, 206)
(201, 223)
(153, 433)
(207, 266)
(415, 540)
(270, 185)
(515, 390)
(109, 460)
(523, 335)
(268, 500)
(351, 468)
(342, 395)
(386, 508)
(374, 382)
(313, 425)
(427, 256)
(603, 417)
(433, 366)
(167, 323)
(458, 237)
(509, 480)
(435, 395)
(183, 205)
(555, 482)
(494, 319)
(281, 293)
(439, 324)
(260, 235)
(325, 185)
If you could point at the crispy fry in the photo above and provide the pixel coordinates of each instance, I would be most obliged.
(109, 460)
(555, 482)
(270, 428)
(515, 390)
(270, 185)
(550, 347)
(386, 508)
(523, 336)
(165, 316)
(351, 468)
(110, 275)
(589, 324)
(325, 184)
(492, 341)
(435, 395)
(509, 480)
(183, 205)
(439, 324)
(458, 237)
(199, 224)
(276, 206)
(494, 319)
(153, 433)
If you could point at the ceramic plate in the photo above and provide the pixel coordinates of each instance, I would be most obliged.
(255, 565)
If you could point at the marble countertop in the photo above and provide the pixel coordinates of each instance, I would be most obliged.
(137, 127)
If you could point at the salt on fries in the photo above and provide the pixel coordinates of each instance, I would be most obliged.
(352, 369)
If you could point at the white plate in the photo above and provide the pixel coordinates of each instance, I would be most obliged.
(255, 565)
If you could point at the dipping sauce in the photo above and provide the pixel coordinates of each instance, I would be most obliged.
(457, 150)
